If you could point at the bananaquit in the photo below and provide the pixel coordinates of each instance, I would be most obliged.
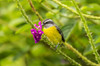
(53, 32)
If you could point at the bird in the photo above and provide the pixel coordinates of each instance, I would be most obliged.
(53, 32)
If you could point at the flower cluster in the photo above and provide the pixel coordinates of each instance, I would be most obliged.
(37, 33)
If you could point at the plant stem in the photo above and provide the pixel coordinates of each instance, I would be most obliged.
(34, 10)
(67, 57)
(88, 32)
(49, 9)
(79, 54)
(60, 52)
(70, 9)
(24, 14)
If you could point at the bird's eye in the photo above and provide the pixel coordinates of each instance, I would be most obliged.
(45, 22)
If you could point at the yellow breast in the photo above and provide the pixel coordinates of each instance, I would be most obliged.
(53, 34)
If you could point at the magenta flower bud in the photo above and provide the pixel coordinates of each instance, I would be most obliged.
(37, 33)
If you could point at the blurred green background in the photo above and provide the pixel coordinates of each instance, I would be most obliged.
(17, 47)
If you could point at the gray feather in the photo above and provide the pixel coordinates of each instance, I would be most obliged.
(59, 30)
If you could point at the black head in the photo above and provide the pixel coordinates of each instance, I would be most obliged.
(47, 21)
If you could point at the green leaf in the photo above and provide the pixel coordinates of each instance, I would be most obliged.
(16, 22)
(23, 28)
(88, 50)
(68, 28)
(97, 39)
(95, 29)
(5, 54)
(49, 15)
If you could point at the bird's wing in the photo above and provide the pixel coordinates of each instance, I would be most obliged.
(59, 30)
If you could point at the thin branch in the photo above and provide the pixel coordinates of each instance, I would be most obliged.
(34, 10)
(24, 14)
(60, 52)
(70, 9)
(67, 57)
(49, 9)
(88, 32)
(79, 54)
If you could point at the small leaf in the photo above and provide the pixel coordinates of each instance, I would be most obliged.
(49, 15)
(95, 28)
(89, 50)
(51, 3)
(97, 39)
(91, 8)
(23, 28)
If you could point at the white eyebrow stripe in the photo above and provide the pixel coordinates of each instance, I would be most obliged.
(48, 20)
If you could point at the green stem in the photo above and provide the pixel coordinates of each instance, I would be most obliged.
(88, 32)
(60, 52)
(70, 9)
(34, 10)
(79, 54)
(68, 58)
(49, 9)
(24, 14)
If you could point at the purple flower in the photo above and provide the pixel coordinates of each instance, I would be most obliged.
(37, 33)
